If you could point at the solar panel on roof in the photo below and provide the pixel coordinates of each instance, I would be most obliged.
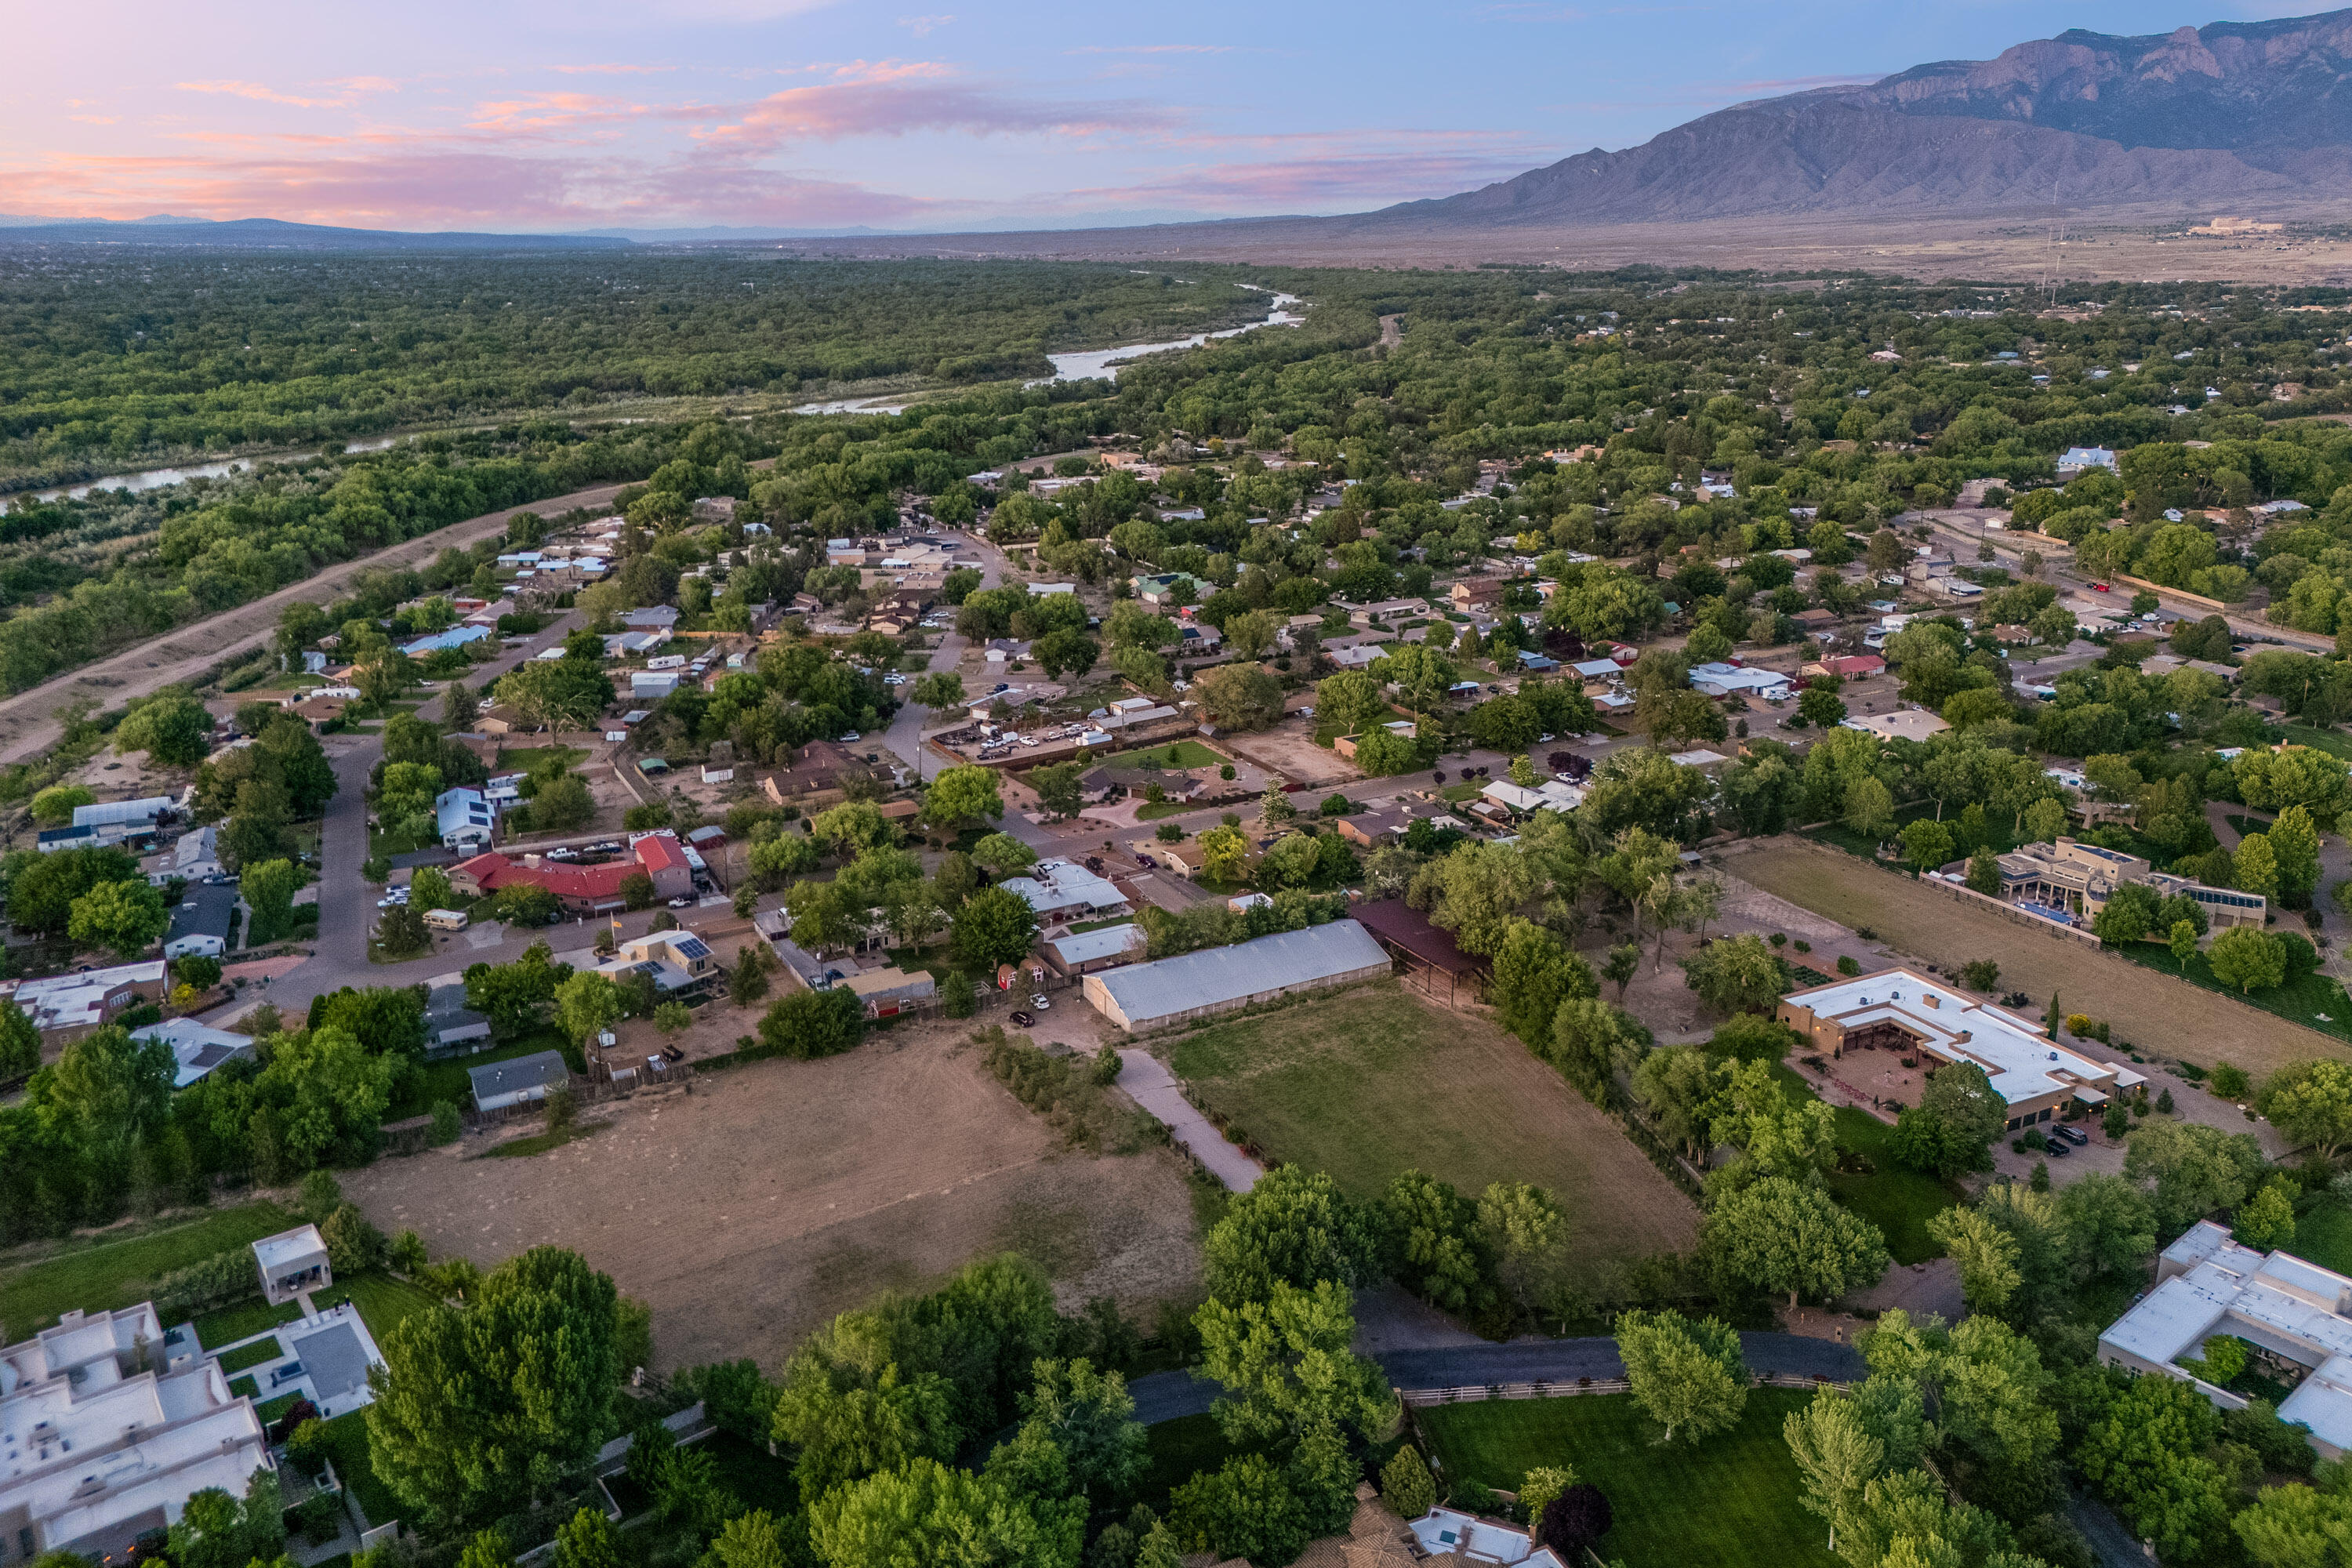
(692, 947)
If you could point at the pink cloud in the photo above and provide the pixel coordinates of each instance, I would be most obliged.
(611, 70)
(924, 26)
(262, 94)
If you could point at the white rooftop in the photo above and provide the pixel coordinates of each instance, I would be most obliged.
(1442, 1530)
(288, 1247)
(1087, 946)
(1059, 884)
(2020, 1060)
(198, 1048)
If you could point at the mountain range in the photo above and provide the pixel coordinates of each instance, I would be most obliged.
(2236, 113)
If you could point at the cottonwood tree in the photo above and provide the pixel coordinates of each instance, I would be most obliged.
(478, 1408)
(2311, 1102)
(1294, 1228)
(1286, 1366)
(1792, 1238)
(1686, 1376)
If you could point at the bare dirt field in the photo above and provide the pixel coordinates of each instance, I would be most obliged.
(29, 722)
(2158, 1013)
(776, 1196)
(1289, 749)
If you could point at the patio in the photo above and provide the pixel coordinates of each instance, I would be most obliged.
(324, 1358)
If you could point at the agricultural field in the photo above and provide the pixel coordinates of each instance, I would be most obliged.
(1733, 1501)
(120, 1269)
(1373, 1082)
(778, 1194)
(2159, 1014)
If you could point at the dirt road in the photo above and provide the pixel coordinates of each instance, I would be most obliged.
(2159, 1015)
(28, 721)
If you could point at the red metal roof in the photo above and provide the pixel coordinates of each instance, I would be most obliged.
(654, 853)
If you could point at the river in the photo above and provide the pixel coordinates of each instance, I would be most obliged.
(1090, 364)
(160, 478)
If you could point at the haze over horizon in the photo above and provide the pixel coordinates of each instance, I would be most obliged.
(808, 115)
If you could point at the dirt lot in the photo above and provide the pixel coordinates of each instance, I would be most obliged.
(751, 1211)
(1289, 749)
(2156, 1013)
(1374, 1081)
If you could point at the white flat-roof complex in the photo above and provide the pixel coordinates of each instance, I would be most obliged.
(2291, 1313)
(1724, 679)
(1903, 724)
(1442, 1530)
(1224, 979)
(1904, 1010)
(197, 1047)
(107, 1428)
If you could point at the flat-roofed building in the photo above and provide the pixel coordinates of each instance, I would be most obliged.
(291, 1262)
(65, 1007)
(109, 1424)
(197, 1047)
(2294, 1317)
(2078, 879)
(1087, 951)
(1226, 978)
(1902, 1010)
(1063, 890)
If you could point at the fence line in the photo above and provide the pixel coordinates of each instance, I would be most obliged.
(1421, 1398)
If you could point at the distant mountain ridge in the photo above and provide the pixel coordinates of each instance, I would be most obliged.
(273, 233)
(2228, 114)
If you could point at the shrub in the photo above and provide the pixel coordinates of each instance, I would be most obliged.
(1405, 1485)
(1169, 833)
(1575, 1521)
(1802, 945)
(308, 1447)
(214, 1282)
(1779, 938)
(447, 1124)
(1847, 966)
(2231, 1081)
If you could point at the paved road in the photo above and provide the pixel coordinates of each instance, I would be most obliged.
(1165, 1396)
(1152, 1086)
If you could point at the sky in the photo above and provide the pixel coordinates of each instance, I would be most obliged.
(905, 115)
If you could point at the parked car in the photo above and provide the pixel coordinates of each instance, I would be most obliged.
(681, 903)
(2057, 1149)
(1037, 1000)
(1022, 1020)
(2074, 1135)
(2098, 587)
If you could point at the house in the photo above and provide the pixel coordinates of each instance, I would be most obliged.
(1085, 953)
(581, 889)
(1903, 724)
(680, 962)
(455, 638)
(1170, 587)
(522, 1080)
(654, 618)
(201, 922)
(654, 684)
(2075, 460)
(1063, 890)
(1815, 620)
(292, 1262)
(1853, 665)
(77, 1392)
(1387, 610)
(465, 818)
(451, 1027)
(195, 856)
(1512, 797)
(197, 1047)
(2076, 879)
(65, 1007)
(1474, 593)
(1139, 996)
(816, 776)
(2293, 1317)
(503, 790)
(1183, 858)
(1720, 680)
(1899, 1009)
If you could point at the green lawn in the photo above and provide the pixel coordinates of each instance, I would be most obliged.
(1899, 1201)
(253, 1355)
(226, 1325)
(2323, 1235)
(540, 1142)
(2335, 743)
(446, 1079)
(347, 1447)
(542, 763)
(1369, 1082)
(383, 1301)
(2302, 1003)
(1732, 1501)
(1179, 1449)
(270, 1409)
(121, 1271)
(244, 1388)
(1189, 753)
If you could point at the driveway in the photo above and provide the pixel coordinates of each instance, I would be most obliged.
(1152, 1086)
(1165, 1396)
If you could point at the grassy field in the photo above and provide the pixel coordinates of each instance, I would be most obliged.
(383, 1301)
(1371, 1082)
(2315, 1001)
(1899, 1201)
(2335, 743)
(2158, 1012)
(226, 1325)
(2323, 1233)
(122, 1270)
(1730, 1502)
